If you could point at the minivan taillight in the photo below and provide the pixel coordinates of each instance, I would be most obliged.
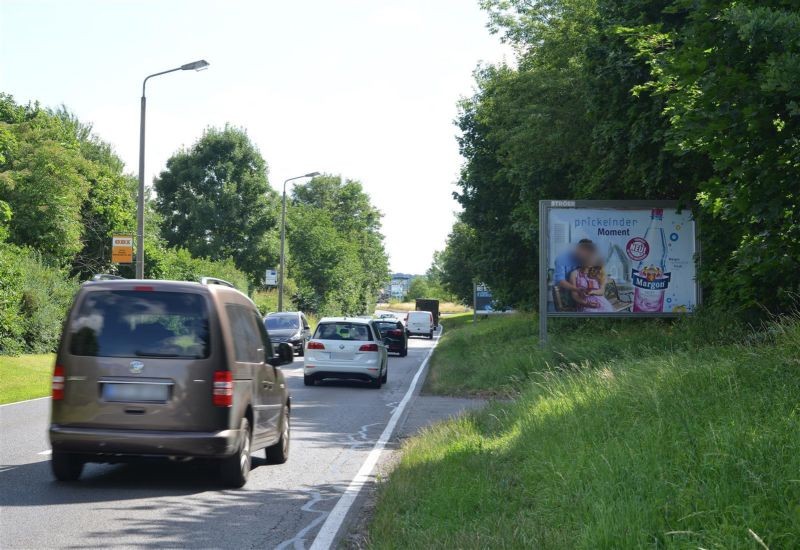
(396, 332)
(58, 383)
(368, 347)
(316, 345)
(223, 388)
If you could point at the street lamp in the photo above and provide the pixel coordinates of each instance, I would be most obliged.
(193, 66)
(283, 236)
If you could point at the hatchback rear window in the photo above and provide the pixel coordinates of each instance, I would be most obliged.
(342, 331)
(130, 323)
(386, 327)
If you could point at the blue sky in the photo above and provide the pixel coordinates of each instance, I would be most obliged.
(366, 89)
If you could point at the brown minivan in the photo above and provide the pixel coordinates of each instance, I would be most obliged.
(150, 368)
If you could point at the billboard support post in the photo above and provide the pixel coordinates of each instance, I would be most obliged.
(542, 275)
(649, 276)
(474, 301)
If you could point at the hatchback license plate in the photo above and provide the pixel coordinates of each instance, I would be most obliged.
(136, 393)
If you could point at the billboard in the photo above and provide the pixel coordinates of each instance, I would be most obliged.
(122, 249)
(483, 298)
(617, 258)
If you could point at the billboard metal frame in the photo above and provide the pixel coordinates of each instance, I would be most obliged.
(544, 216)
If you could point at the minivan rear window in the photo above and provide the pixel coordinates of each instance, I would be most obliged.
(342, 331)
(131, 323)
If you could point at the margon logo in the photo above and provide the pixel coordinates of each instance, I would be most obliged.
(563, 204)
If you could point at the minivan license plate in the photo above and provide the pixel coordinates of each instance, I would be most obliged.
(135, 393)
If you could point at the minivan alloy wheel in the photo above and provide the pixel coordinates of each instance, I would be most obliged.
(236, 468)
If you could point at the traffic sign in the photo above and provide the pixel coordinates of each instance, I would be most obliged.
(271, 278)
(122, 249)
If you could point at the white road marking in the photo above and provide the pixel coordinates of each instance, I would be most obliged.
(48, 452)
(333, 522)
(298, 540)
(26, 401)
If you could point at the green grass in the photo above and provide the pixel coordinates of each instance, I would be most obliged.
(647, 436)
(496, 355)
(25, 377)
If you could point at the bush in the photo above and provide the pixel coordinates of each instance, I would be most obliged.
(34, 298)
(179, 265)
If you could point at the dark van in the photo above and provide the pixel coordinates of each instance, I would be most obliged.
(151, 368)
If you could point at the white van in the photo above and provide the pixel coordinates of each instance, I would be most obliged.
(420, 323)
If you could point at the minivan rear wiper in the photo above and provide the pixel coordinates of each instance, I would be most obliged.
(154, 354)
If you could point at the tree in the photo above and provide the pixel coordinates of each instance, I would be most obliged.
(348, 265)
(65, 187)
(458, 262)
(667, 99)
(215, 200)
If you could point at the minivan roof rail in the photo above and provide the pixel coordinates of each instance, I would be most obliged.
(215, 281)
(106, 277)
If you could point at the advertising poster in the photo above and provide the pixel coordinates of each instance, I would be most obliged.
(483, 298)
(620, 260)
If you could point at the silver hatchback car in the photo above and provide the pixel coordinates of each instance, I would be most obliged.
(167, 369)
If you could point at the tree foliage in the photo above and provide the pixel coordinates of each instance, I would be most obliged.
(65, 188)
(214, 199)
(335, 248)
(615, 99)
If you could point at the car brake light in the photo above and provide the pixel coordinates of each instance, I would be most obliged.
(223, 388)
(58, 383)
(396, 332)
(368, 347)
(316, 345)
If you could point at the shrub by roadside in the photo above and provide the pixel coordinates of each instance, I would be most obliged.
(666, 443)
(34, 297)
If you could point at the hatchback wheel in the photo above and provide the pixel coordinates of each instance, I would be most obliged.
(404, 352)
(308, 380)
(66, 466)
(376, 383)
(236, 468)
(279, 453)
(385, 376)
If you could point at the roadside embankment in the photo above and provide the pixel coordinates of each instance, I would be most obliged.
(620, 434)
(25, 376)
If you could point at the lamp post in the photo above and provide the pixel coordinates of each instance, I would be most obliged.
(194, 66)
(283, 236)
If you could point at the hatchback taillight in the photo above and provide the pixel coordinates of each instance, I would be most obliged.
(58, 383)
(368, 347)
(316, 345)
(223, 388)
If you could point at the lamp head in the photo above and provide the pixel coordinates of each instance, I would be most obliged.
(195, 65)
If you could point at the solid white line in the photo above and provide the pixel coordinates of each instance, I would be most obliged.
(26, 401)
(46, 453)
(333, 523)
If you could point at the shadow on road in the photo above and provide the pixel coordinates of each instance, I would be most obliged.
(162, 504)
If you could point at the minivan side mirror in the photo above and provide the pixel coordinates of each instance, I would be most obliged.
(284, 355)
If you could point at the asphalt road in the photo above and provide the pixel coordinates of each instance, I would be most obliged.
(182, 505)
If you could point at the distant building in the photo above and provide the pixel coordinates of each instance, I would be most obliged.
(398, 287)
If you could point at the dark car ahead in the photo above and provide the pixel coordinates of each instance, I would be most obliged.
(393, 334)
(290, 327)
(167, 369)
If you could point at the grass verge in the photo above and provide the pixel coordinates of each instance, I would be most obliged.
(652, 437)
(25, 377)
